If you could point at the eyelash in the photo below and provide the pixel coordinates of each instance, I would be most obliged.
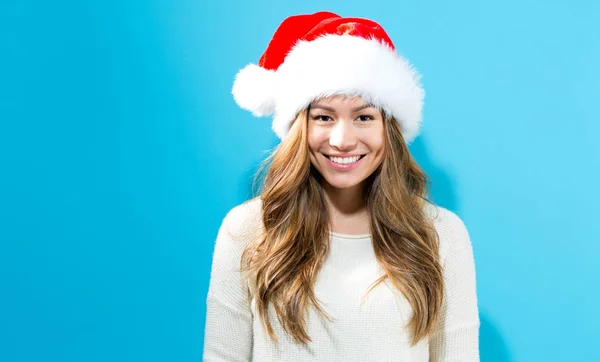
(319, 117)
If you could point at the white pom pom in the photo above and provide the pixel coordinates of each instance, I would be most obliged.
(253, 90)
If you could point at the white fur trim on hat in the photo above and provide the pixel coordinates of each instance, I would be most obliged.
(253, 90)
(330, 65)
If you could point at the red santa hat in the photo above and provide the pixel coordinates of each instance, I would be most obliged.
(322, 54)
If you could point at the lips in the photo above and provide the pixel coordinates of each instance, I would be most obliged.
(344, 166)
(329, 156)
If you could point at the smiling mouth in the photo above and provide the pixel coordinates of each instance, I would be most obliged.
(329, 157)
(345, 163)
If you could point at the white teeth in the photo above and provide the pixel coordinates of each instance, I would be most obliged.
(344, 160)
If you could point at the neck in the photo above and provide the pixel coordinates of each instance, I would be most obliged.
(346, 201)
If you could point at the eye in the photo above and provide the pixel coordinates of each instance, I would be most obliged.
(365, 118)
(321, 117)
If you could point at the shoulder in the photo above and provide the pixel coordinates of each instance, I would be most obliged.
(444, 220)
(452, 231)
(243, 221)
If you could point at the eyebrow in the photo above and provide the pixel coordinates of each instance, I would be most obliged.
(355, 109)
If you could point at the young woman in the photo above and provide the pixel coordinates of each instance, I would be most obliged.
(341, 257)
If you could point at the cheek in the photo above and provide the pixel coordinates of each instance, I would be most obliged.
(316, 139)
(379, 139)
(375, 142)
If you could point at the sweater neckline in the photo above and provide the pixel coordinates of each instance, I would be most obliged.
(350, 236)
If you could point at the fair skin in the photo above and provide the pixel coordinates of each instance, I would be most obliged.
(345, 126)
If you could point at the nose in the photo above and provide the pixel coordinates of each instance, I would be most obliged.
(343, 136)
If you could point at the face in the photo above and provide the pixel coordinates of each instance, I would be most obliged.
(346, 139)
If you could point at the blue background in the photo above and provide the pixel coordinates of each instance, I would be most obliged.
(121, 150)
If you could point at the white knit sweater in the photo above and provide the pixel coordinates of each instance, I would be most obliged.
(372, 331)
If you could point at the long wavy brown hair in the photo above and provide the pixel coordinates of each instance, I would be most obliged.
(282, 264)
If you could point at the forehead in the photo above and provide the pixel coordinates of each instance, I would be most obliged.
(340, 101)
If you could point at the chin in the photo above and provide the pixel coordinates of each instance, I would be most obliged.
(343, 183)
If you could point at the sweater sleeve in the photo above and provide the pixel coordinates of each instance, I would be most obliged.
(228, 331)
(457, 336)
